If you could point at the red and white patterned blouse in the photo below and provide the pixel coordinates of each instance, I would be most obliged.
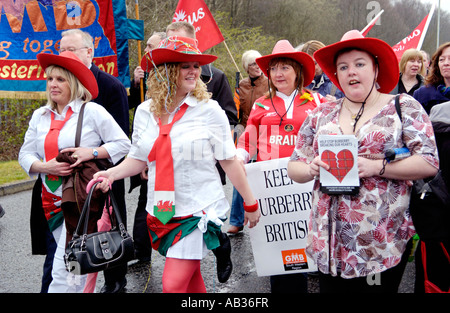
(354, 236)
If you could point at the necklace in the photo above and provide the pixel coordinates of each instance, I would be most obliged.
(356, 116)
(292, 101)
(353, 116)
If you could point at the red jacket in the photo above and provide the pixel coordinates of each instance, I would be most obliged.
(264, 134)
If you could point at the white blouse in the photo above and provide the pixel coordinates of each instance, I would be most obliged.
(199, 138)
(99, 129)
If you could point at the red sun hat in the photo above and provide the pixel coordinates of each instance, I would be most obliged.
(388, 70)
(284, 49)
(73, 64)
(175, 49)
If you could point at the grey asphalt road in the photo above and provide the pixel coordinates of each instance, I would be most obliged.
(20, 271)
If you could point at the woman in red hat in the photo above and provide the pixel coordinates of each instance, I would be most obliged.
(70, 85)
(179, 133)
(359, 241)
(275, 119)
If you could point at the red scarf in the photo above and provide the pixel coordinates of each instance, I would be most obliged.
(161, 153)
(51, 148)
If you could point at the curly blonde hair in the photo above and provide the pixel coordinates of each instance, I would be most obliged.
(162, 88)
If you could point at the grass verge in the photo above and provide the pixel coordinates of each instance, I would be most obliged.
(10, 172)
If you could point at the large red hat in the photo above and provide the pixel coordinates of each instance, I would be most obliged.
(73, 64)
(175, 49)
(284, 49)
(388, 70)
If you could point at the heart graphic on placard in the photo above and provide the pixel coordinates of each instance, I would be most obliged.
(340, 164)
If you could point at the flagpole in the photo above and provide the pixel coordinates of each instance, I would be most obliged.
(425, 29)
(141, 83)
(231, 56)
(372, 21)
(438, 24)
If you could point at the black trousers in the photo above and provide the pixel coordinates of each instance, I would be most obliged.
(384, 282)
(289, 283)
(140, 230)
(118, 273)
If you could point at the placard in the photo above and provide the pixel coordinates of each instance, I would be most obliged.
(279, 239)
(340, 152)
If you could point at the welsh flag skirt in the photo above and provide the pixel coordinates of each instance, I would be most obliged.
(163, 236)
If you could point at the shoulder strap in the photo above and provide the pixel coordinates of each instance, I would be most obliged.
(397, 107)
(79, 126)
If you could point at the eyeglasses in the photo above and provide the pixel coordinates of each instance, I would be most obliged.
(71, 49)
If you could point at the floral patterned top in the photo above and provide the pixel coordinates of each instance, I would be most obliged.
(354, 236)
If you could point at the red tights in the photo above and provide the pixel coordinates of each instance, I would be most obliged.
(182, 276)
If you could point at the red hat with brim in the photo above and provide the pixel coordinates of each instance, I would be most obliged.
(388, 69)
(175, 49)
(73, 64)
(284, 49)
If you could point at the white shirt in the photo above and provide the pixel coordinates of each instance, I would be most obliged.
(199, 138)
(98, 126)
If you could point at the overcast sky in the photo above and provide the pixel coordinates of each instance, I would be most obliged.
(445, 4)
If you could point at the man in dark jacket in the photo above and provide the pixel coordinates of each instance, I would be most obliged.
(113, 96)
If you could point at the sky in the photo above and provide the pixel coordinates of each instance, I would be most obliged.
(445, 4)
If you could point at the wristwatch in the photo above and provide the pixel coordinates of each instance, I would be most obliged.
(95, 153)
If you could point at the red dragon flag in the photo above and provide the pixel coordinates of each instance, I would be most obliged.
(197, 13)
(415, 39)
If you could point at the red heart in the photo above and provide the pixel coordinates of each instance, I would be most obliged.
(340, 165)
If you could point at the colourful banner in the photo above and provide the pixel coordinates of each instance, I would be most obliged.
(197, 13)
(29, 27)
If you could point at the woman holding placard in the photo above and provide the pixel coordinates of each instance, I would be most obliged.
(275, 119)
(360, 240)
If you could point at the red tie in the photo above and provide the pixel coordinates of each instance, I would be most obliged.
(161, 153)
(51, 148)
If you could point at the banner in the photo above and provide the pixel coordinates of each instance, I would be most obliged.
(197, 13)
(415, 39)
(29, 27)
(279, 239)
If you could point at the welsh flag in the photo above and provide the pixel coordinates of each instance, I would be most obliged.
(197, 13)
(415, 39)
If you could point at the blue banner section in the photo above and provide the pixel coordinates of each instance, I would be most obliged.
(29, 27)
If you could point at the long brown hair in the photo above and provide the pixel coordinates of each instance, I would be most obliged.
(435, 77)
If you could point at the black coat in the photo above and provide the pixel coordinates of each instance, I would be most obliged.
(429, 96)
(113, 97)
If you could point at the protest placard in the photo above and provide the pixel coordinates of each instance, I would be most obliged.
(340, 152)
(279, 239)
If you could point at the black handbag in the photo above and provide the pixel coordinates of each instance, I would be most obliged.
(89, 253)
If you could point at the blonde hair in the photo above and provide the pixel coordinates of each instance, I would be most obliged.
(411, 54)
(249, 57)
(162, 88)
(312, 46)
(77, 90)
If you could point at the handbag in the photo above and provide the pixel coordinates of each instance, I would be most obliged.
(429, 204)
(90, 253)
